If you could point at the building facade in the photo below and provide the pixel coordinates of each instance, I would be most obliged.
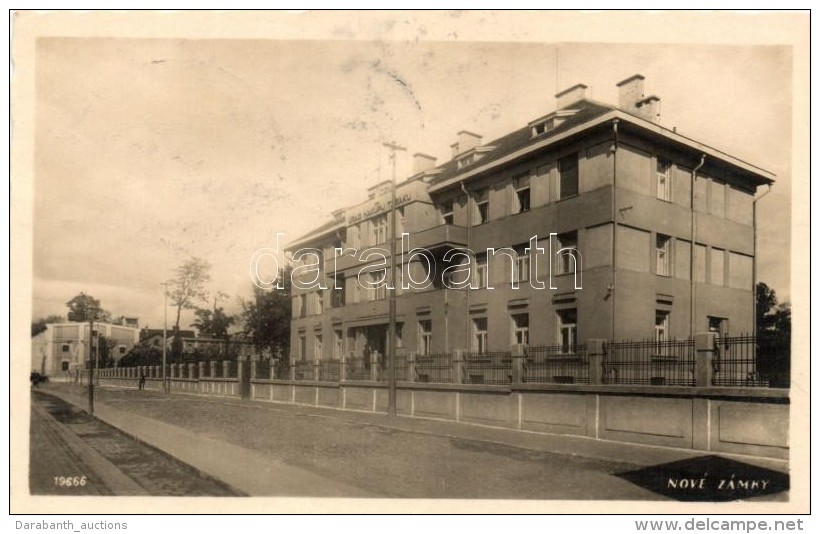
(593, 221)
(64, 347)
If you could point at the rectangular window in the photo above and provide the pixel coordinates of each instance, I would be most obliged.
(522, 267)
(480, 335)
(338, 344)
(425, 337)
(446, 209)
(568, 176)
(568, 330)
(380, 292)
(66, 347)
(353, 238)
(317, 347)
(320, 302)
(663, 245)
(718, 325)
(521, 329)
(662, 168)
(661, 325)
(521, 196)
(122, 350)
(380, 229)
(482, 203)
(482, 273)
(565, 260)
(337, 296)
(302, 348)
(303, 305)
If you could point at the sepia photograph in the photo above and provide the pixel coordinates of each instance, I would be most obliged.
(409, 261)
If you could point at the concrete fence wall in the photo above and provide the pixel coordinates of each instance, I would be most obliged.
(729, 420)
(750, 421)
(221, 387)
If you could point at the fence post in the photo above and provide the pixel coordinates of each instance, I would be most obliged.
(202, 373)
(293, 370)
(253, 368)
(596, 348)
(517, 352)
(213, 366)
(458, 366)
(317, 368)
(272, 369)
(704, 357)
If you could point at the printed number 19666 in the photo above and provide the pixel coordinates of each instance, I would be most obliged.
(70, 481)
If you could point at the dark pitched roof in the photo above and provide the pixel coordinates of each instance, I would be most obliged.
(587, 110)
(504, 145)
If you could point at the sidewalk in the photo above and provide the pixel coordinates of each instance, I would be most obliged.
(251, 473)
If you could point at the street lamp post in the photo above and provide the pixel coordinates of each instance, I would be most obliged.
(391, 347)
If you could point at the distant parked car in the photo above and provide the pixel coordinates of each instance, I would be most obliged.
(37, 378)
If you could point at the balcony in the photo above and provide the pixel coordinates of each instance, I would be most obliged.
(442, 236)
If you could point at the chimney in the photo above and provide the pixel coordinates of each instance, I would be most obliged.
(567, 97)
(466, 141)
(422, 162)
(630, 91)
(631, 98)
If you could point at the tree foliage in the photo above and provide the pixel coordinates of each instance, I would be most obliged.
(774, 332)
(40, 324)
(214, 322)
(266, 319)
(84, 307)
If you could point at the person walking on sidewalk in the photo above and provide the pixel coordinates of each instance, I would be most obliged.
(142, 380)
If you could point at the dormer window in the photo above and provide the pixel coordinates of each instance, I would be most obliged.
(472, 156)
(467, 160)
(543, 127)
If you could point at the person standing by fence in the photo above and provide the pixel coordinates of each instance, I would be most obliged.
(142, 380)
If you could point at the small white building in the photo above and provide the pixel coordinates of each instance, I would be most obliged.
(63, 347)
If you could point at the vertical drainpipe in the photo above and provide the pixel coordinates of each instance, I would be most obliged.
(467, 301)
(693, 229)
(754, 259)
(614, 224)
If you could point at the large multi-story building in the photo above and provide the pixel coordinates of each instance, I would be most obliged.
(593, 221)
(64, 347)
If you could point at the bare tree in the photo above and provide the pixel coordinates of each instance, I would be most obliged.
(187, 289)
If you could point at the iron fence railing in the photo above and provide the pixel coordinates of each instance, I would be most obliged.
(494, 368)
(330, 370)
(735, 362)
(435, 368)
(304, 370)
(649, 362)
(555, 364)
(358, 369)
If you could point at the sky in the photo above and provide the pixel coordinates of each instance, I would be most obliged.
(150, 151)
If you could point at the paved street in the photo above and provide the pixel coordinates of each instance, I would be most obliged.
(376, 459)
(75, 454)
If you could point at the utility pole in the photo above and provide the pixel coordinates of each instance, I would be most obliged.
(391, 329)
(165, 387)
(91, 366)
